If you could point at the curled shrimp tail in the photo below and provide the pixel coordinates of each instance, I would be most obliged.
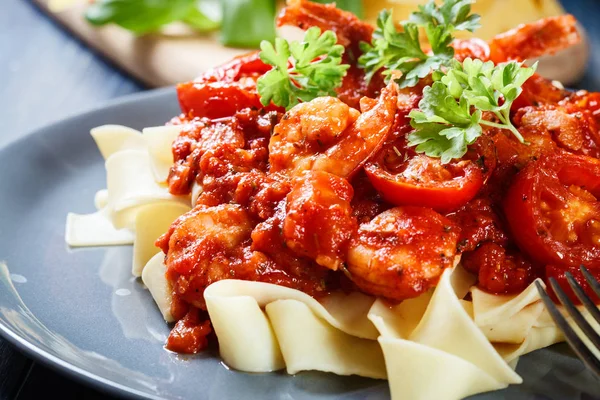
(546, 36)
(350, 30)
(363, 138)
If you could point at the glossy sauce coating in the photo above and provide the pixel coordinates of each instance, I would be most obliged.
(327, 196)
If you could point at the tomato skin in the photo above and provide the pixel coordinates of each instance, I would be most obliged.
(224, 90)
(216, 99)
(245, 65)
(553, 176)
(558, 273)
(442, 198)
(404, 177)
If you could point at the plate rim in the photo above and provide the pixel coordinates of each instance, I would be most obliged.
(117, 101)
(29, 349)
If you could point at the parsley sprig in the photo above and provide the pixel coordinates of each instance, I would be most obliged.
(450, 114)
(402, 51)
(303, 70)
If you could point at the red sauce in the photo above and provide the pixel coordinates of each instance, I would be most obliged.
(190, 334)
(317, 231)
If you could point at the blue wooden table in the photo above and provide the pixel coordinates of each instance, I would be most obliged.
(46, 75)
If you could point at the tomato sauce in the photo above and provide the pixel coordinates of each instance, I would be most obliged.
(387, 221)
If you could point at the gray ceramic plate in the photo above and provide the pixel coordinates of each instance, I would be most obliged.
(81, 312)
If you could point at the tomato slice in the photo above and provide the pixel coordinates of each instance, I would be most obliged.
(553, 210)
(404, 177)
(217, 99)
(224, 90)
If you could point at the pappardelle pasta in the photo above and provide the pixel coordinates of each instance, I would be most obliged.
(356, 204)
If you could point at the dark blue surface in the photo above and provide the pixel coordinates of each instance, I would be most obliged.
(47, 75)
(588, 14)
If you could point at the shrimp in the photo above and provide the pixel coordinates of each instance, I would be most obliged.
(402, 252)
(327, 135)
(319, 221)
(350, 30)
(204, 246)
(209, 244)
(571, 127)
(526, 41)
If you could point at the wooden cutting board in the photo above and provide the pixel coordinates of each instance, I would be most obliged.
(157, 59)
(179, 55)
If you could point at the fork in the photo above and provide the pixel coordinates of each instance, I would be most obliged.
(572, 338)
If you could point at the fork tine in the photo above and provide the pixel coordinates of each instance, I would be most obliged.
(591, 280)
(584, 298)
(585, 326)
(576, 344)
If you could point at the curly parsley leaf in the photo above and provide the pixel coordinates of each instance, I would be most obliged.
(450, 115)
(303, 70)
(444, 126)
(402, 51)
(143, 16)
(452, 13)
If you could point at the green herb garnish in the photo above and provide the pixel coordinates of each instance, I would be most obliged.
(450, 114)
(143, 16)
(354, 6)
(402, 51)
(247, 22)
(303, 70)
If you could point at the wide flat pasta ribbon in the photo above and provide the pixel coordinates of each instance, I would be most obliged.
(111, 139)
(159, 140)
(436, 346)
(132, 161)
(152, 220)
(515, 324)
(294, 331)
(153, 276)
(442, 344)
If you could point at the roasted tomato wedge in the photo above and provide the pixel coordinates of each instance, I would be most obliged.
(223, 91)
(553, 210)
(404, 177)
(217, 99)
